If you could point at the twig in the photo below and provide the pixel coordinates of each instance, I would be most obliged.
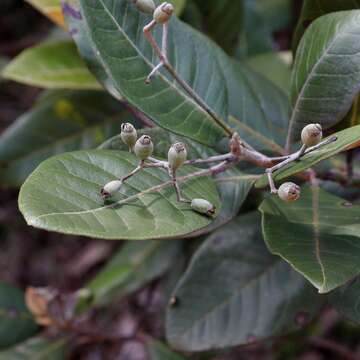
(335, 347)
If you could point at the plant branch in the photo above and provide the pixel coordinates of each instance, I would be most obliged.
(161, 53)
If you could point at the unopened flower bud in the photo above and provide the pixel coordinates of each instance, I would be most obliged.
(111, 188)
(146, 6)
(128, 134)
(163, 13)
(144, 147)
(289, 192)
(311, 134)
(177, 155)
(203, 206)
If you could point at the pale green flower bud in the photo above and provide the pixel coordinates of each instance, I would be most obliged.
(144, 147)
(203, 206)
(111, 188)
(163, 12)
(177, 155)
(289, 192)
(146, 6)
(128, 134)
(311, 134)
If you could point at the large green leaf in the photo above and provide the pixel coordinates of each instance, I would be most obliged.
(346, 300)
(346, 139)
(311, 10)
(318, 235)
(259, 110)
(235, 292)
(326, 73)
(63, 194)
(133, 266)
(55, 65)
(61, 121)
(158, 351)
(115, 30)
(16, 322)
(36, 349)
(233, 185)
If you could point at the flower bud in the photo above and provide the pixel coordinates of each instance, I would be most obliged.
(144, 147)
(289, 192)
(177, 155)
(146, 6)
(311, 134)
(128, 134)
(203, 206)
(163, 13)
(111, 188)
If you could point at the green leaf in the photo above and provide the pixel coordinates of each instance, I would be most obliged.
(261, 19)
(62, 121)
(133, 266)
(259, 110)
(346, 140)
(326, 74)
(63, 195)
(50, 8)
(318, 235)
(128, 58)
(79, 34)
(346, 300)
(158, 351)
(55, 65)
(36, 349)
(234, 292)
(178, 5)
(223, 21)
(233, 185)
(16, 322)
(311, 10)
(274, 67)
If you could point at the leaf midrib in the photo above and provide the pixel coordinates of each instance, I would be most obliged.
(171, 84)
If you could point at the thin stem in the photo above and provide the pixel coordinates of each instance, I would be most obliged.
(163, 58)
(177, 189)
(211, 159)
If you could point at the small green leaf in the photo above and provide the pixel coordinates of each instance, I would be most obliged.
(318, 235)
(52, 66)
(234, 292)
(133, 266)
(127, 58)
(326, 74)
(60, 121)
(311, 10)
(159, 351)
(63, 195)
(37, 349)
(346, 139)
(16, 322)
